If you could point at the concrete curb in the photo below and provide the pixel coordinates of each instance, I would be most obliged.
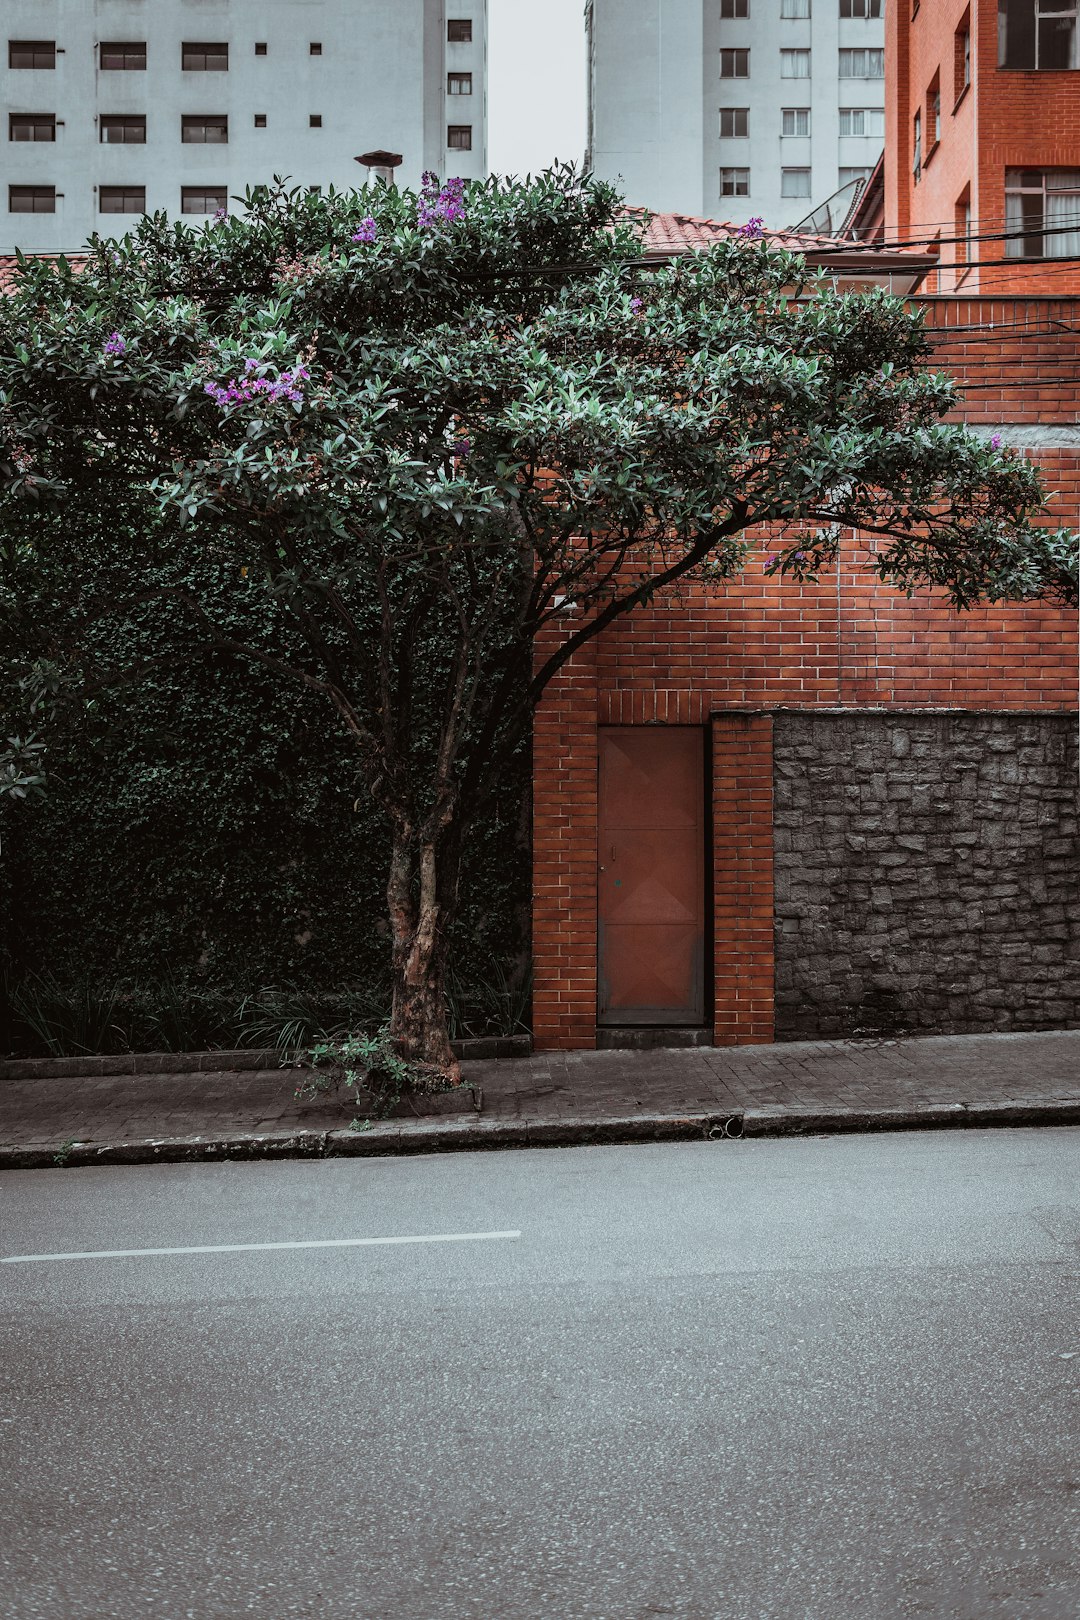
(231, 1061)
(449, 1134)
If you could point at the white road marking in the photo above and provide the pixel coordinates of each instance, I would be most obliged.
(244, 1248)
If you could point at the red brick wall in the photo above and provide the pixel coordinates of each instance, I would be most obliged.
(742, 879)
(848, 641)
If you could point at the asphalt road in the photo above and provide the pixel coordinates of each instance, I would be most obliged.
(832, 1379)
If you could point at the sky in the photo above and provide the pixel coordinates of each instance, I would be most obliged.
(536, 84)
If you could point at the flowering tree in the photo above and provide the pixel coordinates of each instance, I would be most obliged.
(443, 431)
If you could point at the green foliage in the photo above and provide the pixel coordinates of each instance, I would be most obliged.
(370, 1068)
(207, 868)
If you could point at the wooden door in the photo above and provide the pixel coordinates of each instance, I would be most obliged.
(651, 877)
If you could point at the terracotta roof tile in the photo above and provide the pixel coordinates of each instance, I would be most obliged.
(683, 233)
(9, 266)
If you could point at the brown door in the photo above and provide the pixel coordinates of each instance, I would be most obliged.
(651, 878)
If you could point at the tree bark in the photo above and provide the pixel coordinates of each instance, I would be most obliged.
(421, 894)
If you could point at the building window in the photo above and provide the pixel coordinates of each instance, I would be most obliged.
(198, 58)
(734, 182)
(794, 8)
(794, 64)
(734, 64)
(1044, 205)
(850, 174)
(734, 8)
(315, 48)
(862, 121)
(459, 30)
(734, 122)
(860, 64)
(32, 127)
(122, 56)
(1037, 34)
(314, 121)
(794, 182)
(31, 53)
(933, 111)
(121, 199)
(916, 146)
(962, 222)
(203, 199)
(204, 129)
(32, 199)
(459, 137)
(962, 57)
(795, 121)
(260, 47)
(459, 84)
(860, 8)
(260, 120)
(122, 129)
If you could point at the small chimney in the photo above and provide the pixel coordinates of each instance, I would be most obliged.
(380, 165)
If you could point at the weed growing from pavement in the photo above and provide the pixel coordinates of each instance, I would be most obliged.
(368, 1064)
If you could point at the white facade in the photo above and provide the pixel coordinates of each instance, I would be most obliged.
(309, 86)
(667, 76)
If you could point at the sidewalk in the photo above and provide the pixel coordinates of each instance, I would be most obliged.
(557, 1099)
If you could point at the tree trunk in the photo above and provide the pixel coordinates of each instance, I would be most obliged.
(421, 893)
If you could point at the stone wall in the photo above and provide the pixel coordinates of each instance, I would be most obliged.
(927, 873)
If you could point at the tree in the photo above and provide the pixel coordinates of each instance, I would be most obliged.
(446, 430)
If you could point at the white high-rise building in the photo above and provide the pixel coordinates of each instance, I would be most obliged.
(112, 108)
(735, 109)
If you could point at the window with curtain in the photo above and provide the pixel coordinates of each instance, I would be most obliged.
(859, 64)
(794, 64)
(1043, 205)
(862, 121)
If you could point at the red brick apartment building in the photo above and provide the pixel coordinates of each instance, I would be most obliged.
(982, 141)
(784, 812)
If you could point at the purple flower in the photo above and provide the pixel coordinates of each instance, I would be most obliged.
(799, 556)
(995, 441)
(771, 560)
(114, 346)
(247, 388)
(439, 207)
(636, 303)
(753, 228)
(366, 231)
(221, 215)
(461, 447)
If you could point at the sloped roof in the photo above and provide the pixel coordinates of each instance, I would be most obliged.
(670, 235)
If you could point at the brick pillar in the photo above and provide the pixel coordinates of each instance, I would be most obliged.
(564, 860)
(742, 879)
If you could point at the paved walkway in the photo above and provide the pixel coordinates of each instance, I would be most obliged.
(558, 1098)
